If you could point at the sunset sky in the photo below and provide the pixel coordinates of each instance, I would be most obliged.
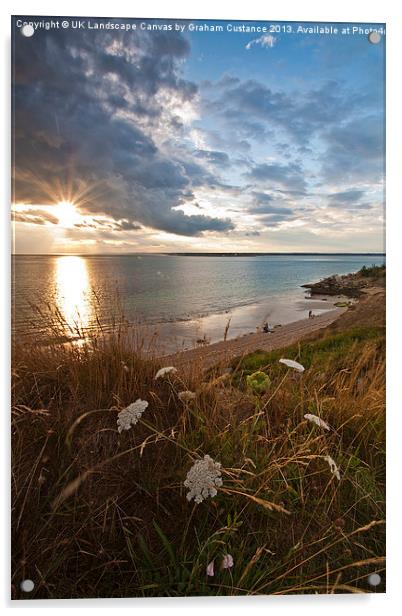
(197, 141)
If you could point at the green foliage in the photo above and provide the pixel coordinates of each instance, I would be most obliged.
(331, 351)
(374, 271)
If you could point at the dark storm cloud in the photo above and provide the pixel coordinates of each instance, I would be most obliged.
(86, 105)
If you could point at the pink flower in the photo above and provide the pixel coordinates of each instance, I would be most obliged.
(227, 562)
(210, 569)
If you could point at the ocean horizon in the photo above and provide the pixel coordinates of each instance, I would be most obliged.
(171, 293)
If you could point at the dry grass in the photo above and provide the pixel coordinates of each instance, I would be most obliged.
(98, 514)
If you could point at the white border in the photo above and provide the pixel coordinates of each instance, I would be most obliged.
(388, 11)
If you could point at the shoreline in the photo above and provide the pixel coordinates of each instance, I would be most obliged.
(363, 292)
(285, 312)
(222, 352)
(279, 310)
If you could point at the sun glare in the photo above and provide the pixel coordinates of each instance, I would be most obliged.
(72, 291)
(67, 214)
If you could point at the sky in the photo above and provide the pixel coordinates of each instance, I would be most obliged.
(197, 141)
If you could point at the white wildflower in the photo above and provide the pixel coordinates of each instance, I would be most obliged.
(290, 363)
(131, 414)
(210, 569)
(163, 371)
(202, 479)
(186, 396)
(227, 562)
(333, 467)
(317, 420)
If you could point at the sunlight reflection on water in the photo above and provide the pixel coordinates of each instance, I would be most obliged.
(72, 292)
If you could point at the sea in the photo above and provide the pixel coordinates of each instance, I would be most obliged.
(184, 300)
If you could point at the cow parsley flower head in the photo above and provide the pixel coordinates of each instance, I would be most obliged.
(317, 420)
(258, 382)
(186, 396)
(164, 371)
(290, 363)
(202, 479)
(333, 467)
(227, 561)
(131, 414)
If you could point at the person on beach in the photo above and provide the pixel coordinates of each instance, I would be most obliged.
(310, 314)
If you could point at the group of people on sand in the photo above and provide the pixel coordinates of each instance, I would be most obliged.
(268, 329)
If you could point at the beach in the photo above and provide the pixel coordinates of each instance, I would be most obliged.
(368, 310)
(222, 352)
(279, 311)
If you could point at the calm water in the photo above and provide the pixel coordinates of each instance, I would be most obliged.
(159, 288)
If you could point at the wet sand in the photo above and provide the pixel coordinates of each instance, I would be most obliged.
(222, 352)
(278, 310)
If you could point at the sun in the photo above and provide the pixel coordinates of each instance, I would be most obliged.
(67, 214)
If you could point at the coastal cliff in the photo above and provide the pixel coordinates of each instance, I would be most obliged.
(350, 285)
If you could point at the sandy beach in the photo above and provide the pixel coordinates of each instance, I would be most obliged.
(222, 352)
(369, 310)
(279, 310)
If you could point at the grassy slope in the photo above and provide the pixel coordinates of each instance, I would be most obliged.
(98, 514)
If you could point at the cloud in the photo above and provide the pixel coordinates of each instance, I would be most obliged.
(347, 196)
(262, 204)
(307, 113)
(266, 40)
(221, 159)
(261, 197)
(355, 151)
(252, 103)
(127, 225)
(270, 209)
(35, 217)
(115, 122)
(267, 213)
(271, 220)
(349, 199)
(89, 112)
(289, 176)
